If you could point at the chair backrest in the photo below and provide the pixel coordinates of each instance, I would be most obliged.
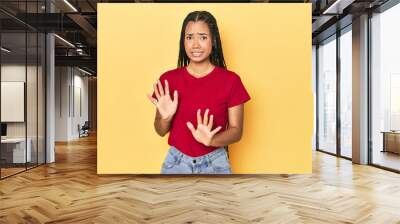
(86, 124)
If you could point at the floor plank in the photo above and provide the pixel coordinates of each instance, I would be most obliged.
(70, 191)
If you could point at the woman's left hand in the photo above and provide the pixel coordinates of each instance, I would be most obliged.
(203, 132)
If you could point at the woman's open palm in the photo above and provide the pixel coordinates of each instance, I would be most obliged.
(203, 132)
(165, 105)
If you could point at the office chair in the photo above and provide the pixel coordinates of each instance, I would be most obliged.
(84, 130)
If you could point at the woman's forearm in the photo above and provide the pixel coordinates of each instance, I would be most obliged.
(227, 137)
(162, 126)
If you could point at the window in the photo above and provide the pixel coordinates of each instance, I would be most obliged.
(327, 95)
(385, 88)
(346, 93)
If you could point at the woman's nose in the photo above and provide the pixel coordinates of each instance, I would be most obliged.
(196, 43)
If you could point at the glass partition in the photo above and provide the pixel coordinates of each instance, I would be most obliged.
(14, 154)
(385, 90)
(22, 77)
(327, 95)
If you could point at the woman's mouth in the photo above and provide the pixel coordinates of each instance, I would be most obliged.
(197, 54)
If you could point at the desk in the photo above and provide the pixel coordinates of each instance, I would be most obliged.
(17, 150)
(391, 141)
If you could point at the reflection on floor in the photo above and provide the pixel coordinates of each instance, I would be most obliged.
(386, 159)
(13, 169)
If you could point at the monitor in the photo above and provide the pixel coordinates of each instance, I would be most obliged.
(3, 129)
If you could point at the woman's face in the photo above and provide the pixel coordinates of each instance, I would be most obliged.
(198, 44)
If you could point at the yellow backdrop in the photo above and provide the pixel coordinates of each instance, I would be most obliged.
(268, 45)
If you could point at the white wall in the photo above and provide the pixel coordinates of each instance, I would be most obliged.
(81, 81)
(71, 94)
(62, 80)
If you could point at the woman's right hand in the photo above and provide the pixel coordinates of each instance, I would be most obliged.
(165, 105)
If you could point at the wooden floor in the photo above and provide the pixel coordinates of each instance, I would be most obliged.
(5, 172)
(69, 191)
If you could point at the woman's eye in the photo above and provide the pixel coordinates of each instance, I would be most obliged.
(204, 38)
(188, 38)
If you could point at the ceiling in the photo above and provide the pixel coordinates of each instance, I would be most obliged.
(76, 22)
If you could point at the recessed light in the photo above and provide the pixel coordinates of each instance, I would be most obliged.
(64, 40)
(5, 50)
(84, 71)
(70, 5)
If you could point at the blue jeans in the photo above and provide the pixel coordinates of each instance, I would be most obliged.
(215, 162)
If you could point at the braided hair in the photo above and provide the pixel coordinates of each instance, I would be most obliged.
(216, 56)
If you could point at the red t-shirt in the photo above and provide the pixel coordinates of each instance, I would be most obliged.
(217, 91)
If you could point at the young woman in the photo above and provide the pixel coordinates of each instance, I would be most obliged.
(200, 103)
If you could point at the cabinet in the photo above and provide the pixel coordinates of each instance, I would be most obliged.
(391, 141)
